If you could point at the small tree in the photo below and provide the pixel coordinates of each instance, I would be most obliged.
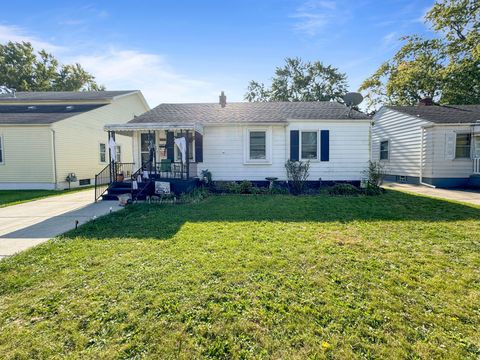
(297, 174)
(375, 174)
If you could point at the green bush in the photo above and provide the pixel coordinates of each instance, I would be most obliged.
(246, 187)
(297, 174)
(343, 190)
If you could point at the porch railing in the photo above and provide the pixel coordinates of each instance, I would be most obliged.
(109, 174)
(476, 166)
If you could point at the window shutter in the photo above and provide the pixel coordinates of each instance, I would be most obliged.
(198, 147)
(450, 144)
(324, 145)
(170, 144)
(294, 145)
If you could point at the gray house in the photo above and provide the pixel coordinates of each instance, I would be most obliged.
(429, 144)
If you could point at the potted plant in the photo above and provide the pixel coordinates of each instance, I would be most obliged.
(120, 176)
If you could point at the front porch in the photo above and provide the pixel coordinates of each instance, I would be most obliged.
(161, 153)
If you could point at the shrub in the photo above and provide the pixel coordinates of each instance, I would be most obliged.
(375, 174)
(343, 190)
(206, 177)
(246, 187)
(297, 174)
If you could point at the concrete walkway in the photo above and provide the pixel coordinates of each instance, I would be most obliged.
(25, 225)
(466, 196)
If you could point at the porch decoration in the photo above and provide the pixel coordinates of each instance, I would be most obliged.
(182, 146)
(113, 149)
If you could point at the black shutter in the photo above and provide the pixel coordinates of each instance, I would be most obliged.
(198, 147)
(324, 145)
(170, 143)
(294, 145)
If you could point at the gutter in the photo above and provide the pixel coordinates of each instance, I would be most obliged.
(421, 158)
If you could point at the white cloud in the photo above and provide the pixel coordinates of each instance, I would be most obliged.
(390, 39)
(313, 16)
(151, 73)
(124, 69)
(18, 34)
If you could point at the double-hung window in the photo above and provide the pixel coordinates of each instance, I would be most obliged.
(257, 145)
(103, 152)
(118, 149)
(309, 145)
(384, 150)
(462, 146)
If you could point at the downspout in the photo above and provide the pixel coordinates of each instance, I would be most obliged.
(421, 160)
(54, 158)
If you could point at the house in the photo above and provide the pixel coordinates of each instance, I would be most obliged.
(47, 137)
(429, 144)
(250, 140)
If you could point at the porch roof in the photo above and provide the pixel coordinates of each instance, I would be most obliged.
(128, 127)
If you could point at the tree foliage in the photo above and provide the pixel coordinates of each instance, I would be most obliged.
(23, 69)
(445, 68)
(300, 80)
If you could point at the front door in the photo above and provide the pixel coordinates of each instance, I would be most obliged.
(476, 149)
(147, 148)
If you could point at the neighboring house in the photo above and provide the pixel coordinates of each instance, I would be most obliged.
(251, 141)
(45, 136)
(427, 143)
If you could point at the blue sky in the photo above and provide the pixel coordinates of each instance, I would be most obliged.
(188, 51)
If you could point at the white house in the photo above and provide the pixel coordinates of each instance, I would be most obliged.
(428, 143)
(46, 137)
(251, 141)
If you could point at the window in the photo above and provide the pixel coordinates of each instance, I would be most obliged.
(83, 182)
(118, 149)
(103, 152)
(309, 143)
(462, 147)
(257, 145)
(384, 150)
(191, 149)
(1, 150)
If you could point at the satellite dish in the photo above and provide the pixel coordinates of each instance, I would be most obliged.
(352, 98)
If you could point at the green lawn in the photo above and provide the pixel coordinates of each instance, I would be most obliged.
(394, 276)
(13, 197)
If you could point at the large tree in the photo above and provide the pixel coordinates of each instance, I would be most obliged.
(23, 69)
(300, 80)
(445, 67)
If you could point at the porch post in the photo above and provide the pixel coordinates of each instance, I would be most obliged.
(187, 138)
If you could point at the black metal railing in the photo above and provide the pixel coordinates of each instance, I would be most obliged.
(112, 172)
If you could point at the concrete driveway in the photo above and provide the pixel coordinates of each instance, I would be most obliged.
(466, 196)
(25, 225)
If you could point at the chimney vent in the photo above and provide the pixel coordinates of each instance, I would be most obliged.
(223, 99)
(428, 101)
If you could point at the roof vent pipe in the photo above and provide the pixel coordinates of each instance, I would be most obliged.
(223, 99)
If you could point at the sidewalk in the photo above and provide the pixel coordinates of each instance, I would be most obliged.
(25, 225)
(466, 196)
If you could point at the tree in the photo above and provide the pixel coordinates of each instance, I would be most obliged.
(24, 70)
(445, 68)
(300, 80)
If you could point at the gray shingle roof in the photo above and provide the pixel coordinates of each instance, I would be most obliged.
(451, 114)
(40, 114)
(245, 112)
(39, 96)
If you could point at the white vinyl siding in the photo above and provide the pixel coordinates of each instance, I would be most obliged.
(403, 133)
(224, 151)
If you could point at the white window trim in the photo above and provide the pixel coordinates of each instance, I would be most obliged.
(468, 158)
(99, 153)
(2, 148)
(380, 150)
(268, 146)
(176, 151)
(300, 145)
(118, 149)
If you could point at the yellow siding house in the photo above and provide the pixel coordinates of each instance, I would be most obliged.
(45, 136)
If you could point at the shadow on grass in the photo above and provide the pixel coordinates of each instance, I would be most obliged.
(164, 221)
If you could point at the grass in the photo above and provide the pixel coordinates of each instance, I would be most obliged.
(394, 276)
(14, 197)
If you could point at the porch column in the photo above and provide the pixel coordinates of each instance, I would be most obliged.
(187, 150)
(111, 162)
